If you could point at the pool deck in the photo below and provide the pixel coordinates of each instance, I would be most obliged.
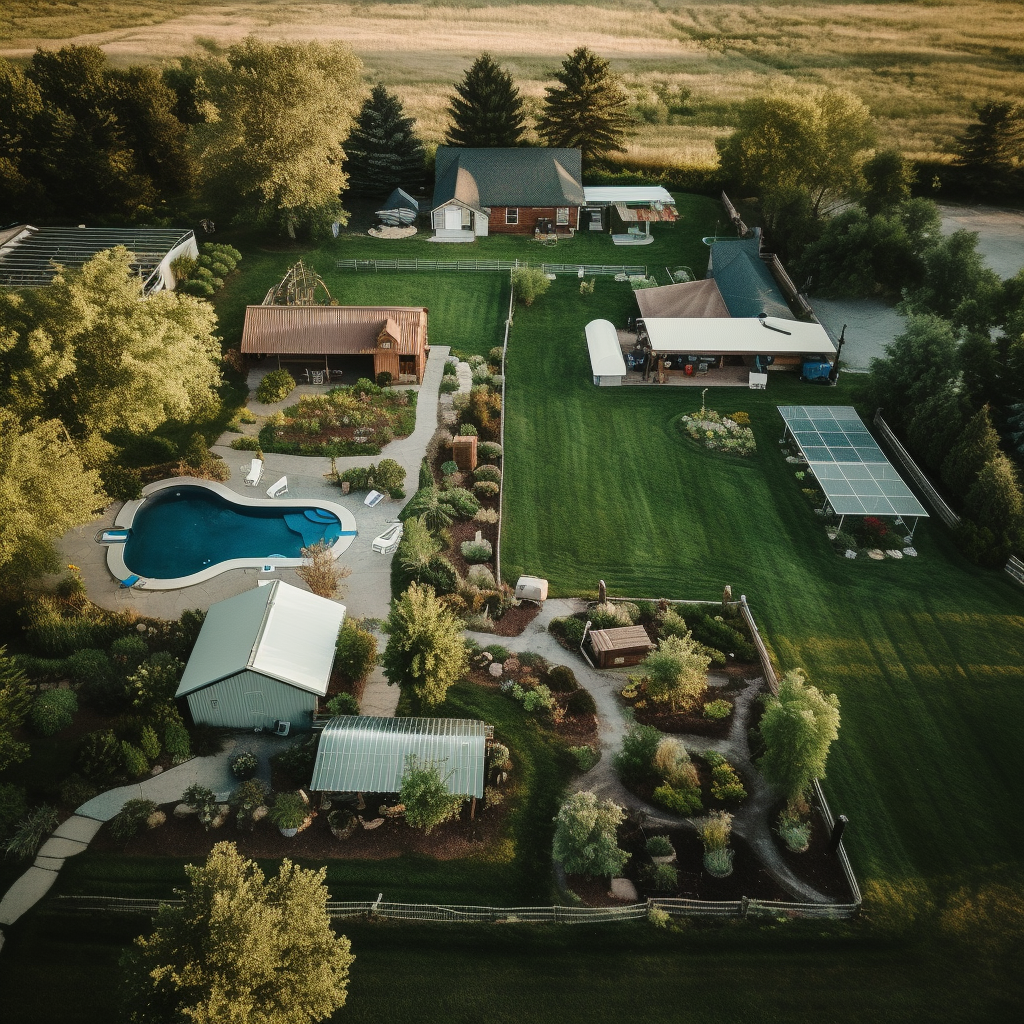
(365, 593)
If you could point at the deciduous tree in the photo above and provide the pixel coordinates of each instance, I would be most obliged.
(270, 148)
(383, 151)
(888, 178)
(425, 650)
(240, 948)
(798, 727)
(588, 109)
(586, 842)
(425, 795)
(487, 109)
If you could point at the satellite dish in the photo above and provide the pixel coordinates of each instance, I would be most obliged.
(335, 228)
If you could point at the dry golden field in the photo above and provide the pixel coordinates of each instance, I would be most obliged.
(919, 66)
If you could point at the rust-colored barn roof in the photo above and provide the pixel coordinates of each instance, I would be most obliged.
(333, 330)
(622, 638)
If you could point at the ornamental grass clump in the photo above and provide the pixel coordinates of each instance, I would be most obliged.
(794, 831)
(715, 831)
(680, 788)
(289, 811)
(33, 828)
(133, 815)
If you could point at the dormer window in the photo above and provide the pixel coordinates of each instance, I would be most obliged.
(385, 343)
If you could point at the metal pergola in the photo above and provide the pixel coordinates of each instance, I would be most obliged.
(852, 471)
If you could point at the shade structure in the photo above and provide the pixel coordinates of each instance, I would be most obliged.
(606, 359)
(851, 469)
(363, 754)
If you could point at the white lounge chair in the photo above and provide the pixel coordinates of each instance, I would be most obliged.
(254, 473)
(276, 490)
(373, 498)
(388, 540)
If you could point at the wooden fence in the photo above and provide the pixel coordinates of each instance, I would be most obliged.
(501, 436)
(491, 266)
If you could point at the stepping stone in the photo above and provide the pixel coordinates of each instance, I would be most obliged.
(61, 848)
(78, 828)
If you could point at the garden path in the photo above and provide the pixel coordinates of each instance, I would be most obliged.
(751, 821)
(74, 835)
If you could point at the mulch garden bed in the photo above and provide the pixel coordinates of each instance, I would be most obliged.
(645, 790)
(186, 837)
(515, 620)
(816, 865)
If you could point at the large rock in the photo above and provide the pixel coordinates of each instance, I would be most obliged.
(496, 668)
(184, 811)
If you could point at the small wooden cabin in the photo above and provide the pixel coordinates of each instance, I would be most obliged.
(625, 645)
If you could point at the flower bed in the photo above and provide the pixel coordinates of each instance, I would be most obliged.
(729, 434)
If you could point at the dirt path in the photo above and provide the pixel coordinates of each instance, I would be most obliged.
(751, 821)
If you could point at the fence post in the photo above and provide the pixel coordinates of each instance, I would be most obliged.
(744, 906)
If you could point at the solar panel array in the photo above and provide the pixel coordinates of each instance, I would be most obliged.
(850, 467)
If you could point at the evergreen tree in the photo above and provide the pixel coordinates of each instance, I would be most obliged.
(587, 110)
(487, 108)
(936, 423)
(991, 149)
(978, 444)
(888, 177)
(995, 499)
(383, 151)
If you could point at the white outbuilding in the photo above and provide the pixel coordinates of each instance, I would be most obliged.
(606, 361)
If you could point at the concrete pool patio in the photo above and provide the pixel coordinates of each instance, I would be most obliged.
(366, 593)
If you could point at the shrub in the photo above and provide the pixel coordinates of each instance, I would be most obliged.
(488, 473)
(176, 742)
(244, 765)
(384, 379)
(99, 755)
(389, 475)
(250, 794)
(343, 704)
(461, 502)
(449, 468)
(153, 684)
(75, 790)
(467, 430)
(486, 489)
(717, 709)
(449, 385)
(13, 807)
(99, 684)
(481, 375)
(297, 760)
(128, 653)
(570, 629)
(634, 760)
(609, 616)
(659, 877)
(529, 283)
(677, 672)
(725, 783)
(660, 846)
(126, 823)
(440, 574)
(53, 710)
(122, 483)
(481, 576)
(425, 795)
(586, 757)
(149, 742)
(276, 386)
(683, 802)
(204, 801)
(586, 840)
(580, 703)
(498, 652)
(795, 833)
(476, 550)
(289, 810)
(489, 450)
(32, 830)
(562, 679)
(355, 651)
(500, 758)
(450, 368)
(134, 760)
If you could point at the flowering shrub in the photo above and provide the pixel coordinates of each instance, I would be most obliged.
(719, 433)
(874, 531)
(244, 765)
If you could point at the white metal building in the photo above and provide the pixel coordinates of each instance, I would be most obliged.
(262, 656)
(606, 361)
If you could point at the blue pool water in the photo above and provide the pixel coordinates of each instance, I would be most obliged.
(181, 530)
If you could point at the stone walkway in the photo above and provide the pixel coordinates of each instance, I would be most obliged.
(750, 821)
(365, 593)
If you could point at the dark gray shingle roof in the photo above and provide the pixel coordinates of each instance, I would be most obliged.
(746, 284)
(508, 177)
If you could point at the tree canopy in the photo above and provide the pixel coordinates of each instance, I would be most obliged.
(383, 151)
(89, 351)
(586, 841)
(487, 109)
(811, 146)
(677, 672)
(241, 948)
(269, 150)
(425, 650)
(588, 109)
(15, 701)
(798, 727)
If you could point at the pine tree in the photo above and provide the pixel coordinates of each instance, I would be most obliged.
(383, 150)
(991, 149)
(587, 111)
(487, 108)
(978, 444)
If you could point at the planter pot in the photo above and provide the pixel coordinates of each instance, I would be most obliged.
(288, 832)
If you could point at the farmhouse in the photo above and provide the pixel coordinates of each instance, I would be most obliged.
(507, 191)
(354, 340)
(363, 754)
(263, 656)
(30, 256)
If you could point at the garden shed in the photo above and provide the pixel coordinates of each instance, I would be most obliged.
(364, 754)
(262, 656)
(624, 645)
(606, 361)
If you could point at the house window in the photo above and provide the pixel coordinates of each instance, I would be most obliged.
(562, 215)
(213, 702)
(511, 214)
(385, 344)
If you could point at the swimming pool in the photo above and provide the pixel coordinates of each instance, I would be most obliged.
(183, 533)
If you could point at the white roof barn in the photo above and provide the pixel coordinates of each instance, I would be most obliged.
(262, 656)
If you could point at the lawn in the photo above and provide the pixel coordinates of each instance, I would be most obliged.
(925, 654)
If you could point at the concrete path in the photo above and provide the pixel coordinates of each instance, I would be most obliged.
(365, 593)
(379, 699)
(750, 821)
(75, 834)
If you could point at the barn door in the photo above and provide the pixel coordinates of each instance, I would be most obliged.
(453, 218)
(254, 705)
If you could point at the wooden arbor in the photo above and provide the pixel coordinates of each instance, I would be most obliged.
(301, 286)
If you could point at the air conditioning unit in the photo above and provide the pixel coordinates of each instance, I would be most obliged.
(282, 728)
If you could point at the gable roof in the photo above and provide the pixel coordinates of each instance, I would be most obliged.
(277, 630)
(528, 176)
(332, 330)
(364, 754)
(689, 299)
(746, 284)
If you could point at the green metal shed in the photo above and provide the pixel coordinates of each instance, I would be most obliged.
(360, 754)
(263, 656)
